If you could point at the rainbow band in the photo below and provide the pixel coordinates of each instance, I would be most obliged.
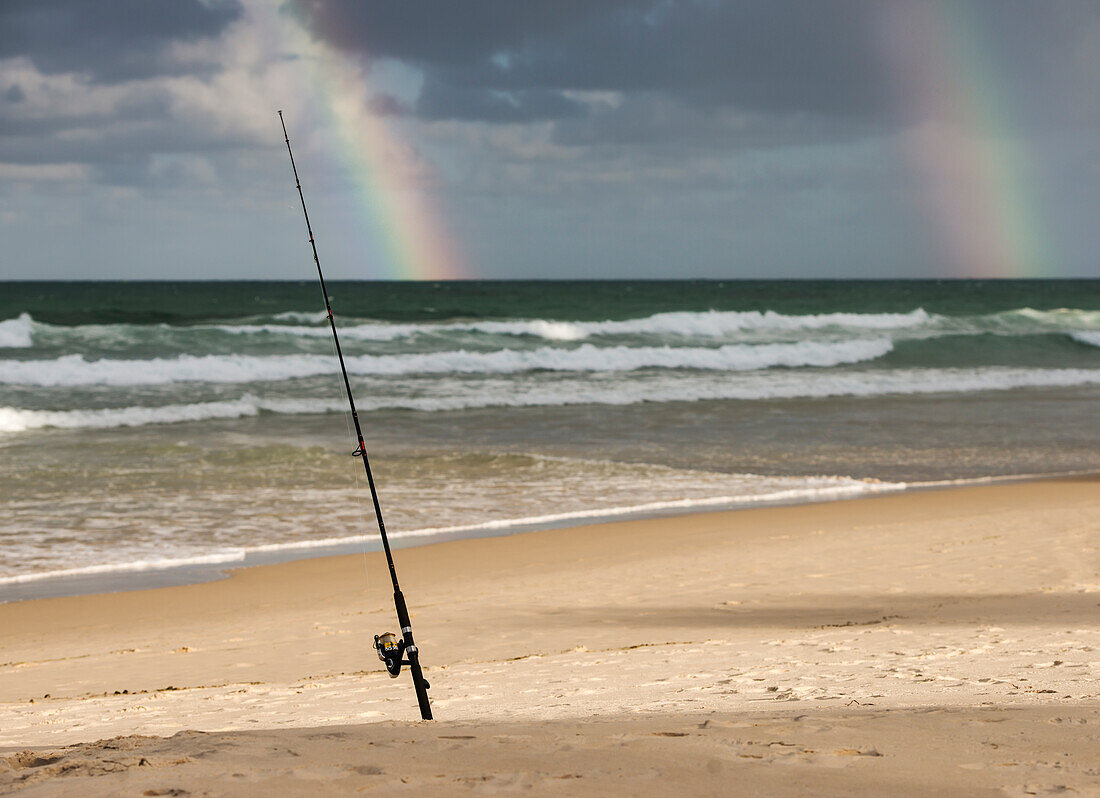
(387, 176)
(973, 167)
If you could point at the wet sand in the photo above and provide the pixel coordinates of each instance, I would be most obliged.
(939, 641)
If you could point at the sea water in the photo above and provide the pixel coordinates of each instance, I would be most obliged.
(149, 425)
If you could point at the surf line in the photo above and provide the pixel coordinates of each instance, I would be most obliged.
(391, 650)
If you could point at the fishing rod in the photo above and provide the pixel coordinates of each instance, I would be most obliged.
(390, 649)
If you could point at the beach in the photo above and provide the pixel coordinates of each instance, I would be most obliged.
(907, 643)
(720, 379)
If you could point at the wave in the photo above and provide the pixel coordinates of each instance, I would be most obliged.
(704, 324)
(17, 333)
(1071, 318)
(562, 392)
(360, 332)
(158, 564)
(689, 324)
(300, 317)
(1091, 338)
(13, 419)
(537, 328)
(724, 324)
(824, 488)
(73, 370)
(380, 331)
(713, 324)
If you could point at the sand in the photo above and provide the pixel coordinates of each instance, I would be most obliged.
(936, 641)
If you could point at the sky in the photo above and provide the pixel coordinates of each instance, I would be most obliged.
(550, 138)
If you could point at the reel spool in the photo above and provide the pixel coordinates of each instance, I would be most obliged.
(390, 650)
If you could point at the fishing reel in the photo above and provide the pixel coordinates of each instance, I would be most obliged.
(390, 650)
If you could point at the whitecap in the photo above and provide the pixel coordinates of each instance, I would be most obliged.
(17, 333)
(73, 370)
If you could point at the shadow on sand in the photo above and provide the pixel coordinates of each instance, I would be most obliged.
(825, 611)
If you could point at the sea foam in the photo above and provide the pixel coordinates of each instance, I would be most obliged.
(130, 566)
(675, 326)
(17, 333)
(73, 370)
(801, 489)
(20, 420)
(688, 324)
(503, 392)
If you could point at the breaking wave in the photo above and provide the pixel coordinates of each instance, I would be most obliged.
(73, 370)
(457, 395)
(716, 324)
(16, 333)
(712, 324)
(14, 419)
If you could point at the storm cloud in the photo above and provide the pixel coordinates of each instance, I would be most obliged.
(500, 61)
(617, 133)
(111, 41)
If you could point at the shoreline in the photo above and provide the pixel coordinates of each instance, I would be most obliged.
(115, 578)
(694, 556)
(855, 642)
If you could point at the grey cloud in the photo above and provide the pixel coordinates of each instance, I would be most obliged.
(763, 55)
(659, 121)
(448, 34)
(119, 142)
(439, 100)
(36, 138)
(787, 58)
(137, 141)
(388, 105)
(112, 41)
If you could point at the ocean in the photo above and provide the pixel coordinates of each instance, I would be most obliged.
(147, 428)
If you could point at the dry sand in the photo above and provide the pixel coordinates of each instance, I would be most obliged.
(930, 642)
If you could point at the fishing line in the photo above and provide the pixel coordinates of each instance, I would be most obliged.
(358, 489)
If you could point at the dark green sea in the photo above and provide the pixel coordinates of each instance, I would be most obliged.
(147, 425)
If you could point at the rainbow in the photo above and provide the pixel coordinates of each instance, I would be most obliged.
(395, 218)
(973, 171)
